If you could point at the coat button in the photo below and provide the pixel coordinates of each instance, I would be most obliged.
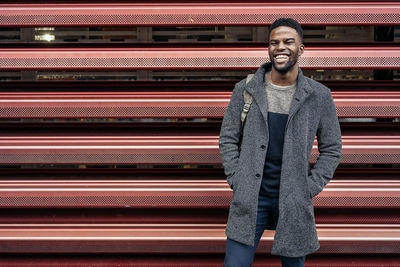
(258, 175)
(263, 147)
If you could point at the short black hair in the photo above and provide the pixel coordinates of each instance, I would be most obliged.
(289, 22)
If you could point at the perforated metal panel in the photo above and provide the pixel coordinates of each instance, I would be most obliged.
(387, 111)
(130, 63)
(208, 58)
(368, 157)
(205, 105)
(96, 158)
(358, 199)
(200, 14)
(119, 200)
(116, 111)
(166, 149)
(187, 157)
(177, 238)
(77, 194)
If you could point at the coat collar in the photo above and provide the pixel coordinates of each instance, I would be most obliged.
(256, 87)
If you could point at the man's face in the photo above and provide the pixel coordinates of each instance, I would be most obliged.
(284, 48)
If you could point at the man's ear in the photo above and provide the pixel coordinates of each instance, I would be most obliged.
(301, 49)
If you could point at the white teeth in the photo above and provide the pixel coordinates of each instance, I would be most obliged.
(281, 58)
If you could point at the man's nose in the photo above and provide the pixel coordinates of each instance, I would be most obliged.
(281, 46)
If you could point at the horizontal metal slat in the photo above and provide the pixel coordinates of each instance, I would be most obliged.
(166, 149)
(178, 238)
(165, 14)
(192, 58)
(178, 194)
(370, 104)
(261, 259)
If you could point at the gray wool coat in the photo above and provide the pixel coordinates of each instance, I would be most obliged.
(312, 113)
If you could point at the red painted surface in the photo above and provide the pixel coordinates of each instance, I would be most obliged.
(176, 222)
(166, 149)
(179, 238)
(206, 13)
(192, 58)
(179, 194)
(372, 104)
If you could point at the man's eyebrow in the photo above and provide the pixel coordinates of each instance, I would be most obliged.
(287, 39)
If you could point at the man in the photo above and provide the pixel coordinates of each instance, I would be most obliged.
(268, 167)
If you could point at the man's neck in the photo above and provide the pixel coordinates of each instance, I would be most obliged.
(288, 78)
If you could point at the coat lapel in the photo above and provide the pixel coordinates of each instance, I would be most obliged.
(303, 90)
(256, 87)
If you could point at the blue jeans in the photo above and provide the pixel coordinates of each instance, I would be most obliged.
(241, 255)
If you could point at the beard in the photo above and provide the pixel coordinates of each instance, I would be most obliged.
(288, 66)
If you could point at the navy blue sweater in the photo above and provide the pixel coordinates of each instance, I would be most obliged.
(279, 99)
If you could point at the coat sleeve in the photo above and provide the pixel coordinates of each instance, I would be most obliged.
(329, 146)
(229, 137)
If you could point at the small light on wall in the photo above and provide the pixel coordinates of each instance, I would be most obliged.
(45, 37)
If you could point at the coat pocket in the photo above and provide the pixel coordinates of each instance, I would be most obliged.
(231, 180)
(309, 194)
(313, 188)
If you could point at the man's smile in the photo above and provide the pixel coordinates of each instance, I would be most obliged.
(281, 58)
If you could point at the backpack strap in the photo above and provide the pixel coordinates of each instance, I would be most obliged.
(248, 99)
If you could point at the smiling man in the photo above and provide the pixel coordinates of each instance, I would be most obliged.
(267, 161)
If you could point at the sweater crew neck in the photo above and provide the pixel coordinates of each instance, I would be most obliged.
(279, 87)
